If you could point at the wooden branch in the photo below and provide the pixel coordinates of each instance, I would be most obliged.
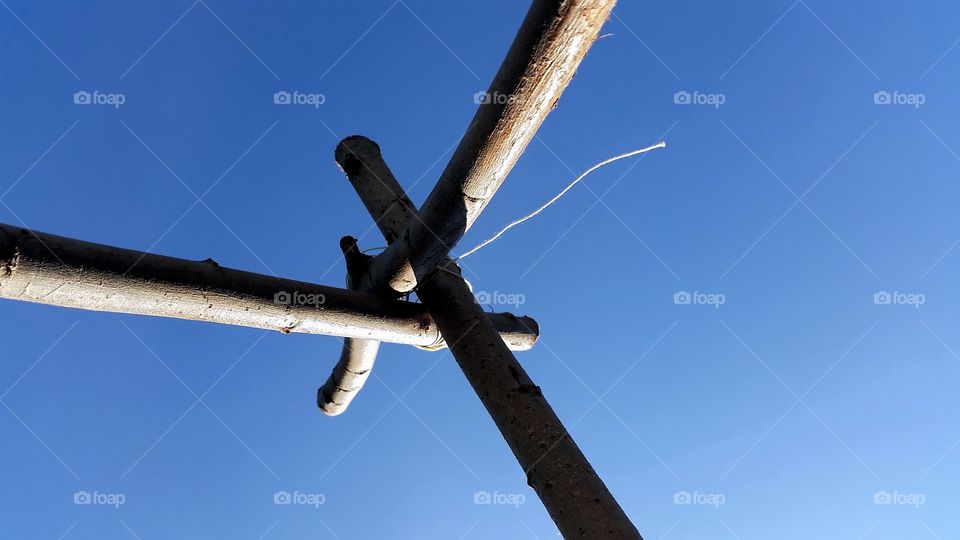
(349, 375)
(553, 39)
(574, 495)
(49, 269)
(358, 356)
(576, 498)
(361, 161)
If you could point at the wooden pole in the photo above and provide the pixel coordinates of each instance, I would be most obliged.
(551, 42)
(361, 161)
(351, 372)
(572, 492)
(574, 495)
(357, 357)
(49, 269)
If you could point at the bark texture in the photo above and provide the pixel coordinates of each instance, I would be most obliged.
(349, 375)
(53, 270)
(572, 492)
(358, 356)
(361, 161)
(553, 39)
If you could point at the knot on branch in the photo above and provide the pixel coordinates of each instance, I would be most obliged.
(7, 267)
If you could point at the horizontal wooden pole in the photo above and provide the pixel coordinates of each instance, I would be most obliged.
(553, 39)
(54, 270)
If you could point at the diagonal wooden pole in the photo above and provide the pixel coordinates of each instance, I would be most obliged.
(550, 44)
(572, 492)
(53, 270)
(574, 495)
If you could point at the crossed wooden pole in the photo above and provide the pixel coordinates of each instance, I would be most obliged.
(552, 41)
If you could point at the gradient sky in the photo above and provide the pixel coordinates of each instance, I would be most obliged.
(797, 406)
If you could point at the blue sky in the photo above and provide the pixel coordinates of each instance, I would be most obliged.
(715, 324)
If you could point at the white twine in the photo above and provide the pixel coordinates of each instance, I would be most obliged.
(516, 222)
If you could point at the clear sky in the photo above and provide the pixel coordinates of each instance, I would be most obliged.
(715, 325)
